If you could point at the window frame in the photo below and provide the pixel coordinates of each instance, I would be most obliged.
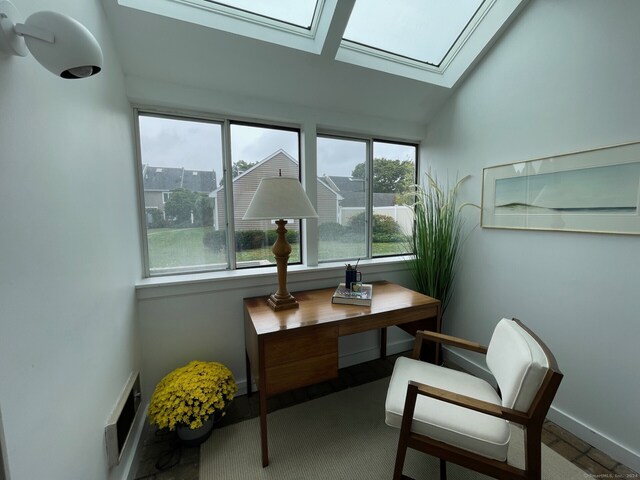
(369, 140)
(225, 123)
(231, 223)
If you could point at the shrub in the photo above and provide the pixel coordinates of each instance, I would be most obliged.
(385, 228)
(246, 239)
(216, 240)
(331, 231)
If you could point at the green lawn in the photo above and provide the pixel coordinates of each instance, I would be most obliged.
(182, 247)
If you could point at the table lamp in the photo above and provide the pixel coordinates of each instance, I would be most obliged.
(278, 198)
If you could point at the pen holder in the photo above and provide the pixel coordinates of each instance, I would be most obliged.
(351, 276)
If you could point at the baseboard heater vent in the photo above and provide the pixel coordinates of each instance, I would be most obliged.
(120, 423)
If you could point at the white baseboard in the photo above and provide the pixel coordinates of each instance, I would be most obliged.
(597, 439)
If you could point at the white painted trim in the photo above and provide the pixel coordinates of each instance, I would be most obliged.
(156, 287)
(487, 25)
(619, 452)
(247, 24)
(599, 440)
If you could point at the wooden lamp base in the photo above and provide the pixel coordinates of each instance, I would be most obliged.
(282, 299)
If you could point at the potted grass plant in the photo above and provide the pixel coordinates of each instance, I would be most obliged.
(191, 399)
(437, 238)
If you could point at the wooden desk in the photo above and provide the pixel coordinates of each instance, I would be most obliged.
(294, 348)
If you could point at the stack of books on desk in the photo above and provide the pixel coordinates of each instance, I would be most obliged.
(349, 297)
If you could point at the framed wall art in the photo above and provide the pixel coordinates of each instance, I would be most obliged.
(590, 191)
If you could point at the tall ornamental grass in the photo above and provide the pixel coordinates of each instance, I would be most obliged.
(437, 238)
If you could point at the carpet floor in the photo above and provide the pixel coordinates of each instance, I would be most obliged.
(341, 436)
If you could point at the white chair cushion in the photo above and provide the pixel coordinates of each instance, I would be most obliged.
(518, 364)
(458, 426)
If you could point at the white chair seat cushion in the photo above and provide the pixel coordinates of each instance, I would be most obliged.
(473, 431)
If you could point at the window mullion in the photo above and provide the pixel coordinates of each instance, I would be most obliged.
(368, 186)
(228, 194)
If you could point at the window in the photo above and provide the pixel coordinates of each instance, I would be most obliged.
(295, 12)
(179, 215)
(342, 199)
(195, 193)
(364, 197)
(187, 208)
(258, 152)
(432, 41)
(422, 30)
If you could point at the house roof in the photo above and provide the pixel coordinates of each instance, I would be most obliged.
(280, 151)
(357, 199)
(346, 184)
(165, 179)
(352, 192)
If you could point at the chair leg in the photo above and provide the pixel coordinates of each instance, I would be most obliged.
(443, 470)
(400, 456)
(533, 451)
(405, 430)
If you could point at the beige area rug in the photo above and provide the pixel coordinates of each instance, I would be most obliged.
(339, 436)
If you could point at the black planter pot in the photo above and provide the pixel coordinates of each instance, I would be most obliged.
(194, 437)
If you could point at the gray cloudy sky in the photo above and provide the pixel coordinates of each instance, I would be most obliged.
(167, 142)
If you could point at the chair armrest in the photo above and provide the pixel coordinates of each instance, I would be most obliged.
(471, 403)
(422, 335)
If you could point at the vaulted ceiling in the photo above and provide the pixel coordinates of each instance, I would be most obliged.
(206, 45)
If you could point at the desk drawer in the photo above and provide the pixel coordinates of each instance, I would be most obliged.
(309, 371)
(296, 346)
(299, 358)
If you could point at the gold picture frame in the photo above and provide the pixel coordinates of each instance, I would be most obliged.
(595, 191)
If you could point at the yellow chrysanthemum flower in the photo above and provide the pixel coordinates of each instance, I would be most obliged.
(190, 394)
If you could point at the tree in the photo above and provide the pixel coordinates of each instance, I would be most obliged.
(203, 214)
(389, 176)
(238, 168)
(180, 205)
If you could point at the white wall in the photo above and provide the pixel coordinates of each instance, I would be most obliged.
(69, 252)
(204, 320)
(181, 321)
(563, 78)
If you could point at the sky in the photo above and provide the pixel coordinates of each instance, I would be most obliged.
(196, 145)
(419, 29)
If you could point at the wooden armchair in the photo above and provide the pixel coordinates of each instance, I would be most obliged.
(462, 419)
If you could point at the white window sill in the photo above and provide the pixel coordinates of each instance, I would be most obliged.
(189, 284)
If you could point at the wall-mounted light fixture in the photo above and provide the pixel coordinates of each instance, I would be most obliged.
(59, 43)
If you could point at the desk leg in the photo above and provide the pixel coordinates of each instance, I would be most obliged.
(383, 342)
(263, 427)
(248, 370)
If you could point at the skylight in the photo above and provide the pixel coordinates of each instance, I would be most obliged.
(294, 12)
(432, 41)
(422, 30)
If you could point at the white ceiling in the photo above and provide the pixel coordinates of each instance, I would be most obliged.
(159, 48)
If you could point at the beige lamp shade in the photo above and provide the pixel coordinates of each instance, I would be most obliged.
(279, 197)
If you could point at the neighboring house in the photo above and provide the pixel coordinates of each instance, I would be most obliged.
(245, 185)
(352, 191)
(158, 182)
(339, 198)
